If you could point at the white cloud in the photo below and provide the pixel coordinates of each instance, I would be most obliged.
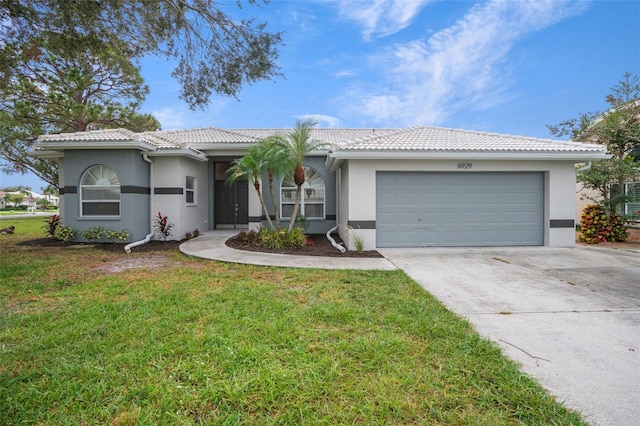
(344, 73)
(170, 118)
(380, 17)
(323, 120)
(463, 66)
(179, 116)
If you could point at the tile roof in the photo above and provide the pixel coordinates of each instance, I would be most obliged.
(443, 139)
(213, 135)
(416, 139)
(93, 135)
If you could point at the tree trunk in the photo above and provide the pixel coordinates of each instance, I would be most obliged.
(256, 185)
(296, 207)
(272, 193)
(298, 175)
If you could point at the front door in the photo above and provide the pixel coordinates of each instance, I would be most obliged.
(231, 201)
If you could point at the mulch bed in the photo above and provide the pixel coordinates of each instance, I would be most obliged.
(151, 246)
(321, 247)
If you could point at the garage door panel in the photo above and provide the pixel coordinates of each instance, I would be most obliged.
(459, 209)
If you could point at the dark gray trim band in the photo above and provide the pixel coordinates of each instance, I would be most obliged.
(131, 189)
(167, 191)
(362, 224)
(69, 190)
(255, 218)
(562, 223)
(330, 217)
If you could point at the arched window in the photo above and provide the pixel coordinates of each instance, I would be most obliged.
(100, 192)
(312, 197)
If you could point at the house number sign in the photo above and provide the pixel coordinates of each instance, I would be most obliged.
(465, 165)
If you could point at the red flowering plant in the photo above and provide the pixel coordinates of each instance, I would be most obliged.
(162, 226)
(51, 224)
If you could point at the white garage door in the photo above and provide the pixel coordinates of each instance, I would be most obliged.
(421, 209)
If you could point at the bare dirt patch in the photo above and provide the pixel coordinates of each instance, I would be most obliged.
(142, 261)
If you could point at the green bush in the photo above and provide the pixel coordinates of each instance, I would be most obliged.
(597, 227)
(117, 235)
(278, 238)
(64, 233)
(94, 233)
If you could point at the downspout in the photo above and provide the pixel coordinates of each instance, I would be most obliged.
(333, 242)
(146, 239)
(329, 237)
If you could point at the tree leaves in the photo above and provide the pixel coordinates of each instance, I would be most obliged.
(619, 129)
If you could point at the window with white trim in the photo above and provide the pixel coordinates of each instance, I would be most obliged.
(100, 192)
(190, 190)
(311, 199)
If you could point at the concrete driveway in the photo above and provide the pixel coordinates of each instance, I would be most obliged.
(569, 317)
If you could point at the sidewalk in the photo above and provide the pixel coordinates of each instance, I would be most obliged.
(211, 245)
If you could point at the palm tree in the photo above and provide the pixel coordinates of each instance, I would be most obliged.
(300, 145)
(251, 166)
(275, 151)
(49, 191)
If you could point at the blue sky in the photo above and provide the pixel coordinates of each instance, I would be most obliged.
(497, 66)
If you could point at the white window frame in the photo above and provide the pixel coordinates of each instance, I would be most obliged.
(313, 181)
(99, 177)
(191, 191)
(635, 188)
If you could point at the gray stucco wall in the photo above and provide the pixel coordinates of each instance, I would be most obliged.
(316, 226)
(133, 173)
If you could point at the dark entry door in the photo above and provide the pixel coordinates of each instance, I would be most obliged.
(231, 204)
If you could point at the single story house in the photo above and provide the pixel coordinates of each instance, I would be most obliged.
(419, 186)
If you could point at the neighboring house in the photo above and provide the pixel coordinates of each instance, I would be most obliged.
(30, 199)
(421, 186)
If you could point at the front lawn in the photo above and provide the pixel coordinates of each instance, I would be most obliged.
(89, 336)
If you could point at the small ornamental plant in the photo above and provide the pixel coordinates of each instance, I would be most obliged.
(309, 244)
(51, 224)
(188, 236)
(597, 227)
(196, 233)
(162, 226)
(117, 235)
(94, 233)
(64, 233)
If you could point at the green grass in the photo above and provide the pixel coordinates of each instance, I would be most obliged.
(202, 342)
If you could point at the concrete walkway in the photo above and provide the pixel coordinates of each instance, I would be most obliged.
(211, 245)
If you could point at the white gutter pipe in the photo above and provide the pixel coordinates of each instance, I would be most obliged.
(333, 242)
(146, 239)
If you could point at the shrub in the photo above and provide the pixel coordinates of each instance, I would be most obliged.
(52, 222)
(278, 238)
(597, 227)
(117, 235)
(188, 236)
(64, 233)
(196, 233)
(251, 238)
(94, 233)
(302, 222)
(162, 226)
